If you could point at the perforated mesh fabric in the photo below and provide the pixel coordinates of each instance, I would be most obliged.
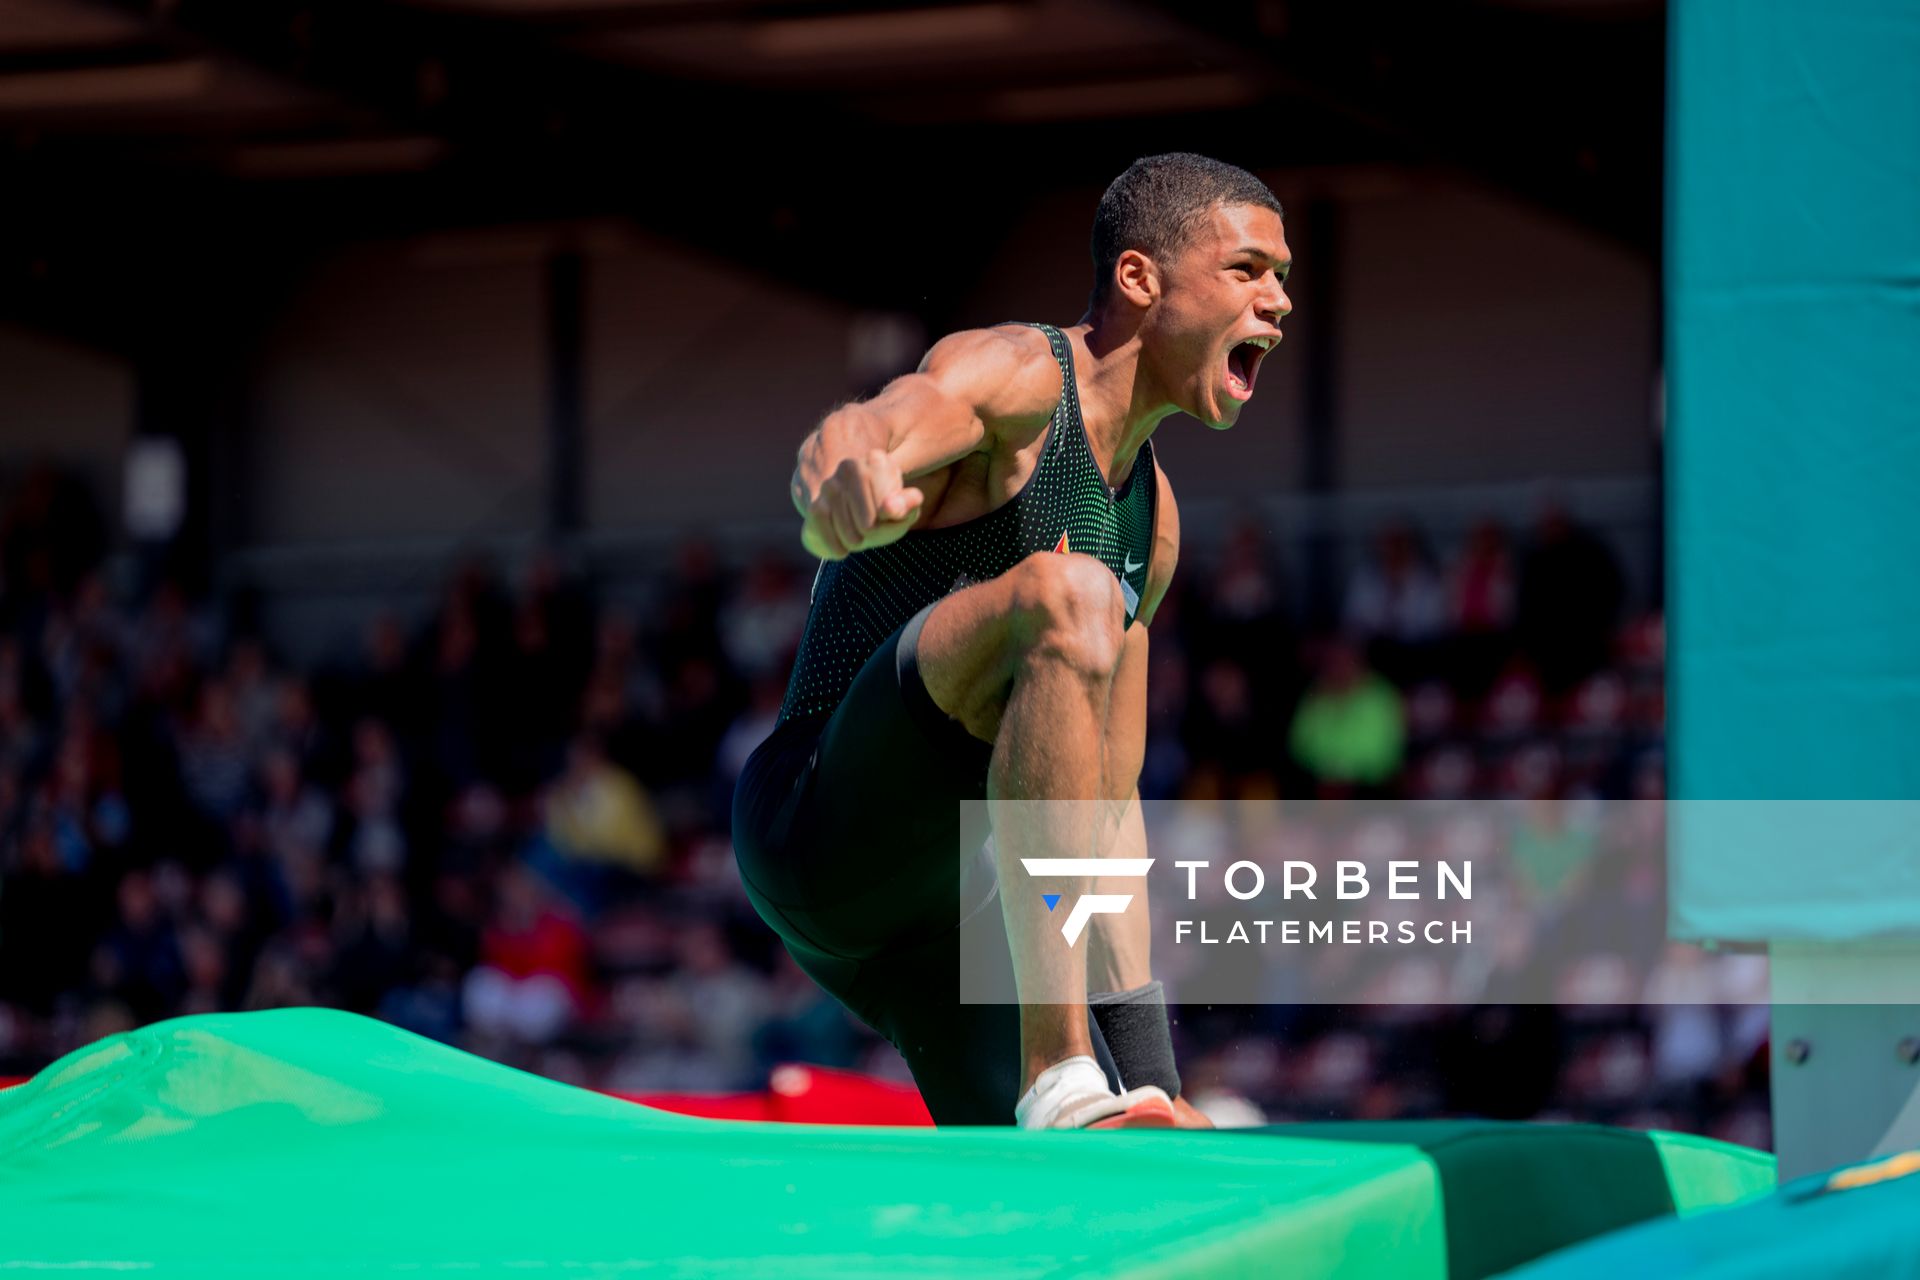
(859, 601)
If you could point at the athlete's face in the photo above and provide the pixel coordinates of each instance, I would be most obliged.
(1222, 297)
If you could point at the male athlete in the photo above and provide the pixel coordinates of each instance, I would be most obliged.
(994, 537)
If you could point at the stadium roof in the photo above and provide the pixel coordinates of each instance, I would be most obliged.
(822, 140)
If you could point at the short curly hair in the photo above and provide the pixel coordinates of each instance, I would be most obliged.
(1156, 204)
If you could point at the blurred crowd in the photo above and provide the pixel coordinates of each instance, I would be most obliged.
(503, 823)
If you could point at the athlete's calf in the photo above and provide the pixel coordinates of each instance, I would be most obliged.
(1027, 662)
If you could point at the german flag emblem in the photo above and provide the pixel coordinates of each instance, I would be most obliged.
(1906, 1164)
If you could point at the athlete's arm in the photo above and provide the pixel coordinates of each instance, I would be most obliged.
(849, 483)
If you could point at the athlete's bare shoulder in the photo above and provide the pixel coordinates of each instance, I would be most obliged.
(1007, 373)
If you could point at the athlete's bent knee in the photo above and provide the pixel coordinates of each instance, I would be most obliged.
(1070, 610)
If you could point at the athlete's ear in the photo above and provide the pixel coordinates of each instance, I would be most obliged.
(1136, 278)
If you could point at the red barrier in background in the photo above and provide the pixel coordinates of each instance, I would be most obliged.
(820, 1095)
(795, 1094)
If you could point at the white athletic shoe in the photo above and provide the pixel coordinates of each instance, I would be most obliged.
(1074, 1095)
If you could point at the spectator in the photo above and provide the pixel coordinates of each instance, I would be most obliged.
(602, 836)
(373, 839)
(81, 795)
(241, 906)
(21, 741)
(383, 689)
(547, 660)
(533, 977)
(1245, 616)
(280, 979)
(428, 1007)
(462, 695)
(205, 959)
(1349, 732)
(51, 536)
(803, 1023)
(47, 921)
(1224, 724)
(168, 643)
(374, 945)
(725, 1003)
(1570, 597)
(760, 627)
(139, 962)
(255, 692)
(294, 818)
(616, 690)
(1396, 606)
(1482, 594)
(213, 757)
(749, 729)
(84, 646)
(1549, 852)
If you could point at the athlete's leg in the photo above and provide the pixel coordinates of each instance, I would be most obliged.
(852, 846)
(1128, 1006)
(1119, 958)
(1026, 661)
(965, 1057)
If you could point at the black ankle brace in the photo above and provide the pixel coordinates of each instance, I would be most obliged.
(1134, 1024)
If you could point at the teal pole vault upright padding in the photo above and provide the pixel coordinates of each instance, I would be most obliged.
(1793, 332)
(1851, 1224)
(1514, 1192)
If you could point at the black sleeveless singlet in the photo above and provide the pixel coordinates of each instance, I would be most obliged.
(1065, 505)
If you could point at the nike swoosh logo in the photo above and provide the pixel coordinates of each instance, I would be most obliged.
(1131, 566)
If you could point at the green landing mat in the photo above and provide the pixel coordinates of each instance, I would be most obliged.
(310, 1142)
(1513, 1192)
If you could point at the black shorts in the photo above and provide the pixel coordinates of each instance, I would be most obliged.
(850, 841)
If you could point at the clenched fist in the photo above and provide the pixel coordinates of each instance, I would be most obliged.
(861, 504)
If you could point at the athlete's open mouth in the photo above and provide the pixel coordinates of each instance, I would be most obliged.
(1243, 365)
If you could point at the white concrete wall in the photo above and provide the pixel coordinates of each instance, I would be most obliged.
(703, 376)
(401, 394)
(404, 390)
(1484, 341)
